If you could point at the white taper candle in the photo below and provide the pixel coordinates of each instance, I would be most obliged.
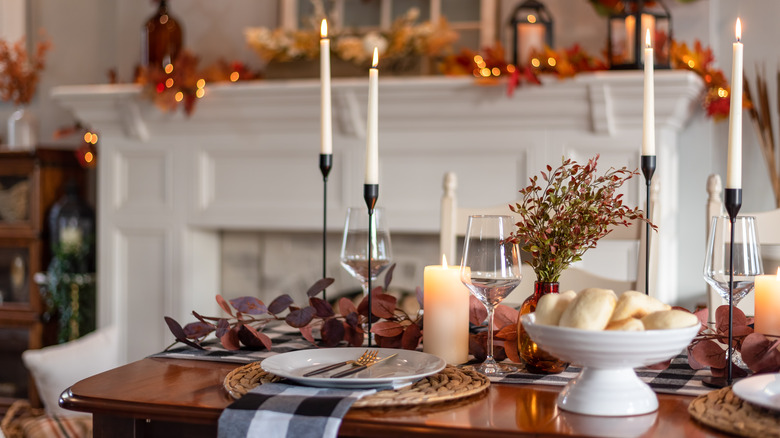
(372, 125)
(326, 134)
(648, 119)
(734, 171)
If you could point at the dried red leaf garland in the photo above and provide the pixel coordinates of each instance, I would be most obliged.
(247, 316)
(759, 352)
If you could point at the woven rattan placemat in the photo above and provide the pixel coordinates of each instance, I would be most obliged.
(451, 383)
(723, 410)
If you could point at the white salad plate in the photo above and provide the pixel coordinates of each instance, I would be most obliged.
(763, 390)
(404, 369)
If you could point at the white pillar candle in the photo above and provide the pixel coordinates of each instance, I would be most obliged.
(446, 304)
(734, 171)
(648, 119)
(767, 320)
(372, 125)
(326, 134)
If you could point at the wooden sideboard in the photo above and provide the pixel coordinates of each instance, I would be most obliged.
(30, 183)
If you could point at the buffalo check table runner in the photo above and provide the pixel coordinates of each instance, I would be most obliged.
(279, 410)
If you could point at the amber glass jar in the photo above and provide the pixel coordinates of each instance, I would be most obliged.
(161, 38)
(537, 360)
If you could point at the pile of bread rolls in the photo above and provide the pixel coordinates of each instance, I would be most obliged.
(601, 309)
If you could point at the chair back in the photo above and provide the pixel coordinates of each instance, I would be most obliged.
(623, 243)
(768, 234)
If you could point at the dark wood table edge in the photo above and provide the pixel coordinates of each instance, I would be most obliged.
(160, 412)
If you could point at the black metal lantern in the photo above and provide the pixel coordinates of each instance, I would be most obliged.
(532, 29)
(626, 32)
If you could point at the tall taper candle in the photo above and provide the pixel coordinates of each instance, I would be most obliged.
(372, 125)
(734, 171)
(648, 119)
(326, 136)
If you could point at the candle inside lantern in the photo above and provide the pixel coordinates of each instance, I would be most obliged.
(648, 119)
(530, 39)
(372, 125)
(326, 137)
(446, 304)
(734, 170)
(767, 318)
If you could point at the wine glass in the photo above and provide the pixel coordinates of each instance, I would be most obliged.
(747, 256)
(746, 260)
(490, 268)
(354, 245)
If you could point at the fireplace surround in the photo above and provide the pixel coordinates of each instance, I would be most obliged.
(240, 177)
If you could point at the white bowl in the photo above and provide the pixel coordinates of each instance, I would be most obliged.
(607, 384)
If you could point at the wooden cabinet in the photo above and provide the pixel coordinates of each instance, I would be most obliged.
(29, 184)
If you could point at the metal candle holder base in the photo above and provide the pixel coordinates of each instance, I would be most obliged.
(733, 202)
(370, 194)
(648, 169)
(326, 163)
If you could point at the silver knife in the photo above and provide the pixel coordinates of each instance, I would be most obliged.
(361, 367)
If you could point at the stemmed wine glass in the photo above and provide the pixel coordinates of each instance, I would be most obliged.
(490, 268)
(354, 245)
(746, 261)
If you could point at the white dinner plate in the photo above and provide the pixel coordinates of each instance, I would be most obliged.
(405, 368)
(763, 390)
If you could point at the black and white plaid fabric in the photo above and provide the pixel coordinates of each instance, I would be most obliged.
(284, 338)
(279, 410)
(679, 378)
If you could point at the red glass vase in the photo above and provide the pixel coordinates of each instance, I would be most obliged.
(536, 360)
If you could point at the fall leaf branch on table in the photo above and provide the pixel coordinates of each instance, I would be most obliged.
(708, 349)
(392, 326)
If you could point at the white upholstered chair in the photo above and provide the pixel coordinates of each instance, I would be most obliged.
(767, 227)
(454, 220)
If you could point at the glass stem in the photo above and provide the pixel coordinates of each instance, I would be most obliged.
(490, 310)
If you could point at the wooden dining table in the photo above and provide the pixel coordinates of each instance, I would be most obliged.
(164, 397)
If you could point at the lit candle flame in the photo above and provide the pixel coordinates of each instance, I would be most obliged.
(778, 273)
(324, 28)
(444, 263)
(376, 58)
(647, 38)
(738, 31)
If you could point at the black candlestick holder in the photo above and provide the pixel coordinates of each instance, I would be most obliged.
(370, 194)
(326, 163)
(733, 202)
(648, 169)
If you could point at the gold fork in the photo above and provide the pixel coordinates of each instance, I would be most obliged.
(368, 357)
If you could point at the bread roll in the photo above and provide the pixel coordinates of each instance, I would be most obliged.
(669, 319)
(633, 304)
(590, 310)
(551, 306)
(626, 325)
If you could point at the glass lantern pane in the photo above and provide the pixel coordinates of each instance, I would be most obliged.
(401, 7)
(461, 10)
(14, 199)
(662, 42)
(14, 275)
(622, 42)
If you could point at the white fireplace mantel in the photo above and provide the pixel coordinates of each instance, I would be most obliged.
(247, 159)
